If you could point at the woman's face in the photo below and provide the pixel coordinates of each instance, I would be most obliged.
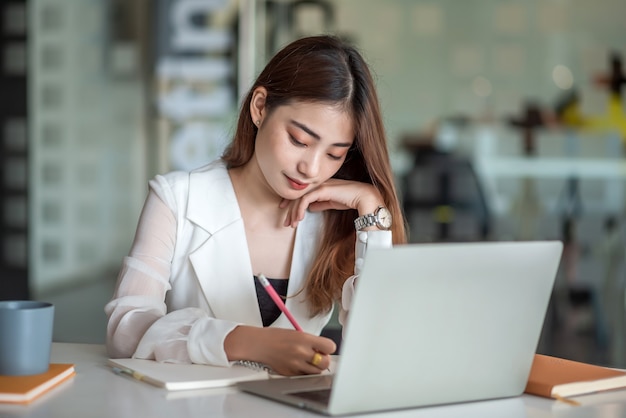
(301, 145)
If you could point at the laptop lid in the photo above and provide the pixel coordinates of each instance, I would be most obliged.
(439, 323)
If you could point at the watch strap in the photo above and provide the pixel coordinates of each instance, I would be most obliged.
(365, 221)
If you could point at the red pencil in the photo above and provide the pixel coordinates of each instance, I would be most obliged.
(278, 301)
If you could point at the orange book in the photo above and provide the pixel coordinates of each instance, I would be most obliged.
(554, 377)
(24, 389)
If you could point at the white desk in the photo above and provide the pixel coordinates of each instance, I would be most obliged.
(97, 392)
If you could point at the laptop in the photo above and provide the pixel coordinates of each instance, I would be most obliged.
(433, 324)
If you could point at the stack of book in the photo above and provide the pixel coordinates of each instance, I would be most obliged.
(559, 378)
(25, 389)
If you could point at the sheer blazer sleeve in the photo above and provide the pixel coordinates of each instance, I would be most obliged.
(138, 323)
(364, 240)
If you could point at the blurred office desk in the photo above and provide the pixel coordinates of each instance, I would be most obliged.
(96, 391)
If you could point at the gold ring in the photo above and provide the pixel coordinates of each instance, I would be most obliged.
(317, 359)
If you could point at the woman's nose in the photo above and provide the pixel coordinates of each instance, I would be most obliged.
(309, 165)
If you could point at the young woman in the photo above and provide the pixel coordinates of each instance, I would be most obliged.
(304, 188)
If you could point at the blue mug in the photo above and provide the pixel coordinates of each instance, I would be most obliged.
(25, 337)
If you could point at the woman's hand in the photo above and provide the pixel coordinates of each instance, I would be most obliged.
(333, 194)
(287, 352)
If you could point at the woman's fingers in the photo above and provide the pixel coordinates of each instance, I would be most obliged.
(300, 353)
(334, 194)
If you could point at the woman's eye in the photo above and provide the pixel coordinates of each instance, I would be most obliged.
(334, 157)
(296, 142)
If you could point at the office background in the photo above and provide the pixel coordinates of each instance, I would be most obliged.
(506, 120)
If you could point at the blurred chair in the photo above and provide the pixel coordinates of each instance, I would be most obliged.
(443, 199)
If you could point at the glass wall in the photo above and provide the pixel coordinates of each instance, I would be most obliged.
(88, 138)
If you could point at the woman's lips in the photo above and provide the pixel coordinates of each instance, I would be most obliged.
(296, 184)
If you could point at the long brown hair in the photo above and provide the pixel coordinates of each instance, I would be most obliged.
(324, 69)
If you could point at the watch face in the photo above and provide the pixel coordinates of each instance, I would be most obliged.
(384, 218)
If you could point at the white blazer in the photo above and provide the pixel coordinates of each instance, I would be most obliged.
(211, 268)
(211, 285)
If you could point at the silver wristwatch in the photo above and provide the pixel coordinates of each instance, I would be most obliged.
(381, 218)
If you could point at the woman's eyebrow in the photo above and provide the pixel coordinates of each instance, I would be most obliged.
(316, 135)
(305, 129)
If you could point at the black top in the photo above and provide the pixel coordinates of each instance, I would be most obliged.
(269, 311)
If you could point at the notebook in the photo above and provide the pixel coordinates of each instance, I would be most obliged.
(172, 376)
(25, 389)
(186, 377)
(434, 324)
